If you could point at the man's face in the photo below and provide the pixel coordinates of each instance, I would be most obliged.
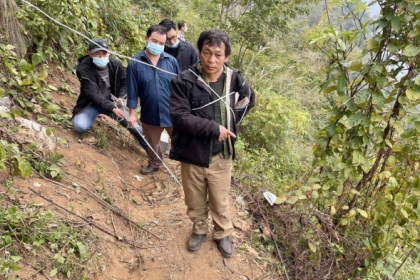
(212, 58)
(172, 37)
(99, 54)
(156, 38)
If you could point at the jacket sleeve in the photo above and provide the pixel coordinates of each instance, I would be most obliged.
(132, 86)
(123, 82)
(181, 116)
(91, 90)
(246, 99)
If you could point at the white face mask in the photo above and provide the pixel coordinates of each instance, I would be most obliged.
(185, 29)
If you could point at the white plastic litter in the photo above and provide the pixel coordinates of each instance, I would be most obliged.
(270, 197)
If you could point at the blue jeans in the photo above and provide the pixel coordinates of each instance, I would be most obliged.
(83, 121)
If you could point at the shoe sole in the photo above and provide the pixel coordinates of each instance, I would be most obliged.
(193, 249)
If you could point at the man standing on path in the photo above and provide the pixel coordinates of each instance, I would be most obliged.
(147, 82)
(184, 52)
(182, 28)
(102, 83)
(207, 102)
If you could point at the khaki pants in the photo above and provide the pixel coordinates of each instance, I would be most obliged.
(152, 134)
(208, 189)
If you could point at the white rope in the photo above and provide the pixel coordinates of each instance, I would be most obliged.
(87, 38)
(214, 101)
(219, 98)
(125, 108)
(120, 55)
(130, 58)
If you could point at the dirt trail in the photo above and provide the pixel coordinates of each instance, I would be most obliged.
(154, 201)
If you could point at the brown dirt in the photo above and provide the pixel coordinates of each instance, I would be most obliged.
(155, 201)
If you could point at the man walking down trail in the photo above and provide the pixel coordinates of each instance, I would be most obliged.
(184, 52)
(207, 102)
(152, 86)
(102, 79)
(182, 28)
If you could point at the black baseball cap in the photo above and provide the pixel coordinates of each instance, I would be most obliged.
(101, 45)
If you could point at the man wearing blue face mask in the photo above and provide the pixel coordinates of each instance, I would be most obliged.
(184, 52)
(102, 83)
(146, 81)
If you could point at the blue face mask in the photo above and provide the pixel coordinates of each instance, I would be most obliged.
(101, 62)
(154, 49)
(174, 46)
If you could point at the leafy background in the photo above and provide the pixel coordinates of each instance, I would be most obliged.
(334, 134)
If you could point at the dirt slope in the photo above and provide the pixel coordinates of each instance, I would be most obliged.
(105, 187)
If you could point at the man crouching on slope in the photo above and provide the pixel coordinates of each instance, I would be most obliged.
(102, 82)
(207, 102)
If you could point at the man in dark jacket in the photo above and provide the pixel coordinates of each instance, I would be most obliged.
(184, 52)
(102, 85)
(207, 102)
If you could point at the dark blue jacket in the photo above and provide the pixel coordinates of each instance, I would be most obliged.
(152, 86)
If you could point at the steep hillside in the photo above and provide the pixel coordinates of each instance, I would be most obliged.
(139, 221)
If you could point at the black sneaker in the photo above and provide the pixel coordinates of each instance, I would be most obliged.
(148, 170)
(225, 247)
(195, 241)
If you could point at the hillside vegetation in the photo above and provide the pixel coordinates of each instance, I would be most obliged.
(334, 134)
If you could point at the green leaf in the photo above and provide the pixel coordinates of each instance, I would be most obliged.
(82, 250)
(14, 267)
(413, 94)
(36, 59)
(395, 23)
(24, 167)
(53, 87)
(399, 197)
(411, 50)
(16, 258)
(52, 108)
(356, 119)
(53, 272)
(12, 210)
(356, 66)
(7, 239)
(342, 83)
(372, 44)
(363, 213)
(362, 96)
(280, 199)
(43, 74)
(378, 99)
(341, 44)
(413, 199)
(392, 48)
(23, 65)
(312, 247)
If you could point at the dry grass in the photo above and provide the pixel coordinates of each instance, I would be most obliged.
(11, 31)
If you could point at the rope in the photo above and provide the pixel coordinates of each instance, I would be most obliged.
(87, 38)
(125, 109)
(117, 54)
(130, 58)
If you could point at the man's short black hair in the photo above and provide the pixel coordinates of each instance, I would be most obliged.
(181, 24)
(156, 28)
(214, 37)
(168, 24)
